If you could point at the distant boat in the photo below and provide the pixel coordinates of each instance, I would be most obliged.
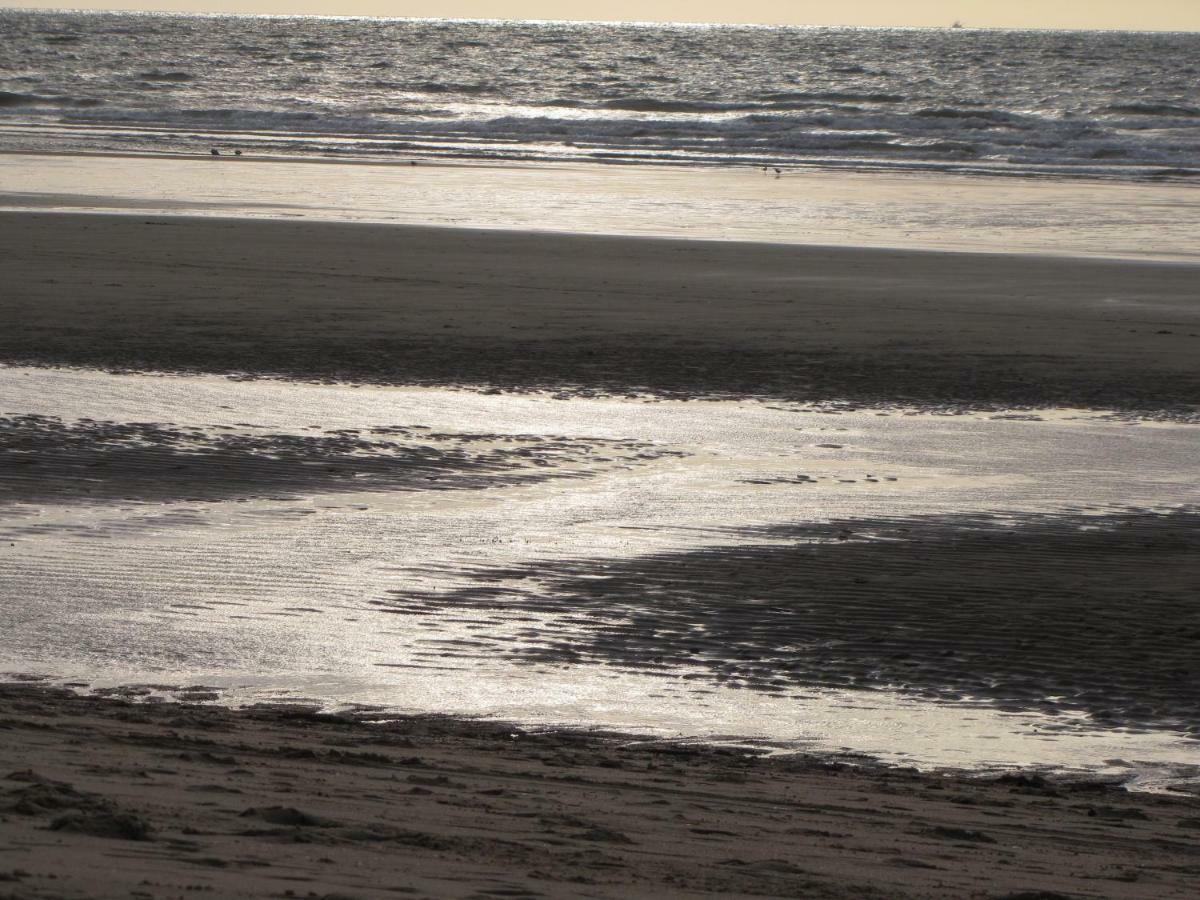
(957, 24)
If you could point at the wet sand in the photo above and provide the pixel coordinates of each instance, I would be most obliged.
(1095, 218)
(104, 798)
(48, 460)
(726, 568)
(109, 799)
(1073, 613)
(515, 310)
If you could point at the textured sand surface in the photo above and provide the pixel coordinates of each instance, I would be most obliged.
(102, 798)
(1078, 613)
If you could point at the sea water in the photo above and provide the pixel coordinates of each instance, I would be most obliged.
(1104, 104)
(178, 531)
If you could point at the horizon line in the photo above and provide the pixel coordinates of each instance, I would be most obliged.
(956, 25)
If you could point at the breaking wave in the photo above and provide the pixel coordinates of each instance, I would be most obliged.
(1101, 103)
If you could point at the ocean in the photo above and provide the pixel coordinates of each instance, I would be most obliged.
(1112, 105)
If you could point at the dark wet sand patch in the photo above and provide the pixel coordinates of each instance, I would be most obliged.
(44, 458)
(577, 313)
(1097, 614)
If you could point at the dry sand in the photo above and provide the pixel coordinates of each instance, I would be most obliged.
(520, 310)
(104, 798)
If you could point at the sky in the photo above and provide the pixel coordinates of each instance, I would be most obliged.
(1181, 15)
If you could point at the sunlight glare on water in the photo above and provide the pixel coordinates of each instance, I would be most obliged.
(1004, 215)
(272, 592)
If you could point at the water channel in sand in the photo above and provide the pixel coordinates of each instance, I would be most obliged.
(158, 533)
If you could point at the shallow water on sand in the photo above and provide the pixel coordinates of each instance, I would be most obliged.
(945, 212)
(432, 550)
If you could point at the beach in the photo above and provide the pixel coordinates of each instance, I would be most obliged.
(484, 458)
(352, 558)
(108, 798)
(400, 304)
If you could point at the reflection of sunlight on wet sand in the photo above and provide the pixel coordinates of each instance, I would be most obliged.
(875, 724)
(315, 595)
(941, 211)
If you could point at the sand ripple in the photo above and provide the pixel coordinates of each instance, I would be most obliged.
(1070, 612)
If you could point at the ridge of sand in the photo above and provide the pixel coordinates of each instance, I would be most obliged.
(521, 311)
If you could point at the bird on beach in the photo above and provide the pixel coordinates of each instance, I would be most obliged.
(237, 152)
(215, 152)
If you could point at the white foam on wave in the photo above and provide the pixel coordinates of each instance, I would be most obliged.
(770, 95)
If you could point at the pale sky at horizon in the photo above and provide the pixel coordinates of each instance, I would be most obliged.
(1183, 15)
